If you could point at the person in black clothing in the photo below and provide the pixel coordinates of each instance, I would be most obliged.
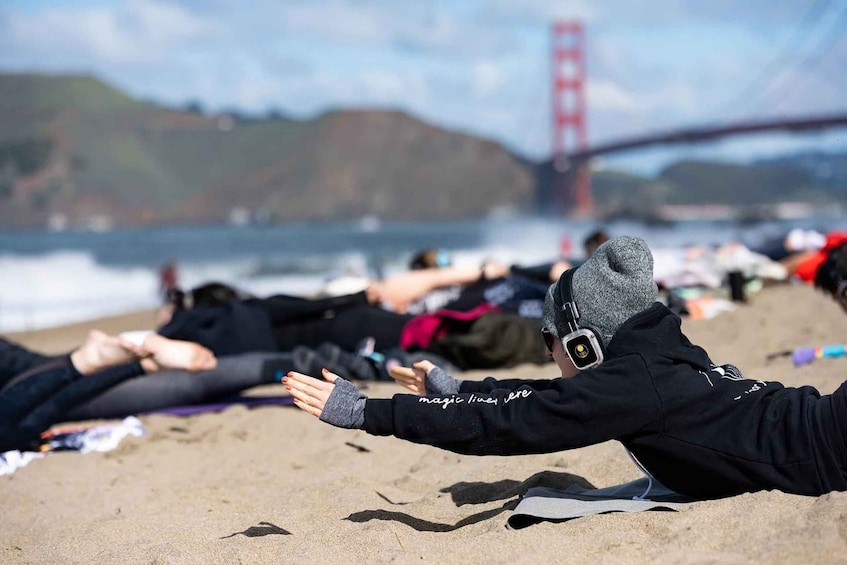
(629, 374)
(231, 375)
(831, 275)
(33, 401)
(228, 323)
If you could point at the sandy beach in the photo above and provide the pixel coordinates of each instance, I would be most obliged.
(274, 485)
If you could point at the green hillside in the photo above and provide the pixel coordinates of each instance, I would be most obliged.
(61, 93)
(727, 183)
(78, 151)
(78, 147)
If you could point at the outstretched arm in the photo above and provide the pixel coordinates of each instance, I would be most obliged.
(398, 291)
(454, 422)
(575, 412)
(425, 378)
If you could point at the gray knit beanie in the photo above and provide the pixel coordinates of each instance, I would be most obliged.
(610, 287)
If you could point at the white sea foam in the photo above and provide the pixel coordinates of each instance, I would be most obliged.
(39, 291)
(70, 286)
(56, 287)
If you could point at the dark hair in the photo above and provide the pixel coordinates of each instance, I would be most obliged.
(209, 294)
(594, 240)
(430, 259)
(833, 270)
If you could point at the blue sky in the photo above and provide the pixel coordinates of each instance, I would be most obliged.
(473, 65)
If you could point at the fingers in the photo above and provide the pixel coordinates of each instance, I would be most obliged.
(329, 376)
(305, 382)
(305, 400)
(306, 387)
(309, 393)
(402, 374)
(424, 366)
(408, 377)
(307, 408)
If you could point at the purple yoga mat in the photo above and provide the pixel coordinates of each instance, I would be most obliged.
(248, 401)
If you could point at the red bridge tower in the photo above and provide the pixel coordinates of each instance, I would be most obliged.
(569, 123)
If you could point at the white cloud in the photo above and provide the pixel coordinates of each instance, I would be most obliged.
(408, 88)
(478, 65)
(651, 12)
(605, 95)
(141, 32)
(254, 89)
(488, 77)
(421, 26)
(166, 24)
(541, 11)
(339, 20)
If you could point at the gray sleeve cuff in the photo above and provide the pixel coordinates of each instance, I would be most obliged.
(439, 382)
(345, 407)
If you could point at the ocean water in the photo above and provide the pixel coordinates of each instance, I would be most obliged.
(53, 278)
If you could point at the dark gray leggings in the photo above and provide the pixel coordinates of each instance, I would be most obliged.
(37, 399)
(179, 388)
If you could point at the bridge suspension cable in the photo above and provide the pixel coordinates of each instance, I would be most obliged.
(773, 70)
(815, 57)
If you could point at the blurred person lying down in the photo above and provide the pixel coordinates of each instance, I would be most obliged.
(33, 401)
(222, 319)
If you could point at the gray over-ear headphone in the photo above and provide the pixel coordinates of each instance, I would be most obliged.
(582, 343)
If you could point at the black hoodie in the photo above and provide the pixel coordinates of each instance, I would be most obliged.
(702, 430)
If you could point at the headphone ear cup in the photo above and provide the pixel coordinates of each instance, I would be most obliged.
(585, 348)
(599, 338)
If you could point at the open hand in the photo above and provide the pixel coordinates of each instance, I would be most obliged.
(414, 377)
(309, 393)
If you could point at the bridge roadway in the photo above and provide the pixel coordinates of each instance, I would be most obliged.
(697, 134)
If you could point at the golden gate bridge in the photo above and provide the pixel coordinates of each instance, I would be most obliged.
(571, 152)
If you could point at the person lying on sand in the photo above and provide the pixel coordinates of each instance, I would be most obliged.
(32, 402)
(628, 374)
(830, 274)
(433, 282)
(231, 375)
(220, 318)
(806, 250)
